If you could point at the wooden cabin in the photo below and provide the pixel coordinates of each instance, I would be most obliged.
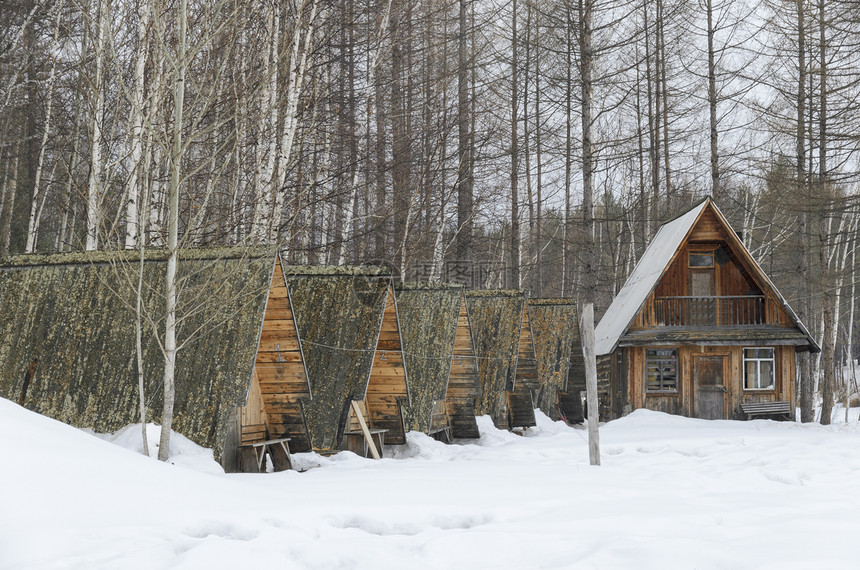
(330, 338)
(555, 333)
(69, 342)
(429, 322)
(699, 329)
(496, 318)
(464, 388)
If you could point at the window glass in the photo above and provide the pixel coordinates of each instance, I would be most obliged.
(661, 370)
(701, 260)
(759, 369)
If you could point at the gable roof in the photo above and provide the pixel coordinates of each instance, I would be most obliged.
(66, 319)
(653, 264)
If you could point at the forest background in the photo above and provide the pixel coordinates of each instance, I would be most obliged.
(508, 143)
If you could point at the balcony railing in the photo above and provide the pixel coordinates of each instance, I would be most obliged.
(740, 310)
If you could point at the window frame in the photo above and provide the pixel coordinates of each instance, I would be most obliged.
(677, 361)
(703, 253)
(758, 360)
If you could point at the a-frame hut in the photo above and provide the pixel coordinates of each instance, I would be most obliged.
(338, 313)
(388, 387)
(555, 332)
(69, 342)
(521, 400)
(496, 320)
(429, 315)
(699, 329)
(464, 387)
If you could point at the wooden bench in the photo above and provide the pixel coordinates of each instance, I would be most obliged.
(278, 450)
(357, 443)
(777, 410)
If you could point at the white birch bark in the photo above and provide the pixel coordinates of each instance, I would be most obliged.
(35, 209)
(94, 214)
(268, 120)
(290, 121)
(133, 227)
(171, 292)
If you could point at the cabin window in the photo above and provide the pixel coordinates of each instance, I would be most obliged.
(758, 369)
(702, 259)
(662, 370)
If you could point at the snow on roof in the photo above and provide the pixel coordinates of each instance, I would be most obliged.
(644, 278)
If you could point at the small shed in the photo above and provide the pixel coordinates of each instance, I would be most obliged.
(429, 315)
(555, 332)
(68, 349)
(496, 318)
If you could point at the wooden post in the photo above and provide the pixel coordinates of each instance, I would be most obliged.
(586, 329)
(369, 438)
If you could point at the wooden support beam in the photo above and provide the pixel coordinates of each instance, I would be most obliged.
(364, 429)
(586, 329)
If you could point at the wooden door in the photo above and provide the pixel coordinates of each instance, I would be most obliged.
(709, 380)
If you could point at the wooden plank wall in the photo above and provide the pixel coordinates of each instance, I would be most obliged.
(463, 387)
(732, 278)
(527, 373)
(387, 386)
(521, 407)
(683, 403)
(280, 370)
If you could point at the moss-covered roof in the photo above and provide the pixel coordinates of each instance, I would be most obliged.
(475, 293)
(422, 286)
(555, 331)
(428, 326)
(338, 317)
(335, 270)
(551, 301)
(496, 321)
(70, 316)
(131, 255)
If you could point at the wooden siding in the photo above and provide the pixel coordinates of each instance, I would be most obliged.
(387, 387)
(683, 402)
(521, 408)
(731, 278)
(463, 388)
(280, 377)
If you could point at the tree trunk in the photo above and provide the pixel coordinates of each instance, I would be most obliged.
(586, 62)
(827, 378)
(464, 188)
(171, 292)
(712, 104)
(132, 220)
(94, 190)
(515, 159)
(807, 405)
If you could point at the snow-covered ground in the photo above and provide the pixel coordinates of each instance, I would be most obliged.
(671, 493)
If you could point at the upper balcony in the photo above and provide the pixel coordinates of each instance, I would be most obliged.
(713, 311)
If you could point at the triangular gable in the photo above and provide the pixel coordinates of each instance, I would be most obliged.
(656, 260)
(464, 389)
(388, 385)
